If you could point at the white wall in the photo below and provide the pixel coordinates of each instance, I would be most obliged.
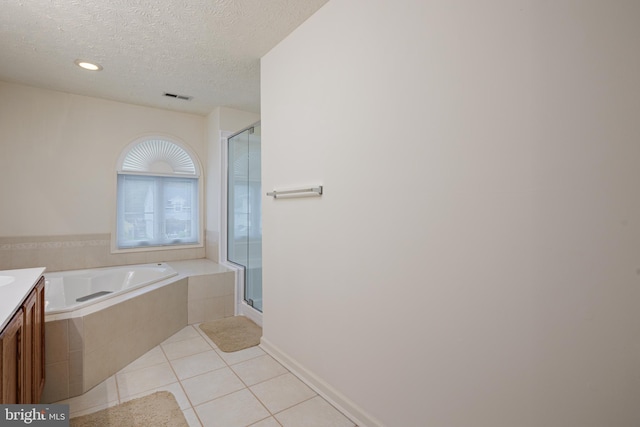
(58, 154)
(474, 260)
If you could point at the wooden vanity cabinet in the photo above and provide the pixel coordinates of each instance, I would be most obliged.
(22, 351)
(11, 367)
(38, 344)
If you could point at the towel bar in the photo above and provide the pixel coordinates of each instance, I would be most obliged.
(297, 191)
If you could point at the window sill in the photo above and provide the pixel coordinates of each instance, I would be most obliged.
(115, 250)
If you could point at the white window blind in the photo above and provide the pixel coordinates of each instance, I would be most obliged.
(158, 196)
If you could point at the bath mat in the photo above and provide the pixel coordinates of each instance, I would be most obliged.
(233, 333)
(157, 409)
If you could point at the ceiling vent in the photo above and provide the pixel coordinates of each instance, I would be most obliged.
(183, 97)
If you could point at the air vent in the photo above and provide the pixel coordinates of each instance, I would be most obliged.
(183, 97)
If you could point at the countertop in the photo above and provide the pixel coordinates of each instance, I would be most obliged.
(15, 286)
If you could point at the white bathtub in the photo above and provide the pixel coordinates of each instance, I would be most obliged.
(71, 290)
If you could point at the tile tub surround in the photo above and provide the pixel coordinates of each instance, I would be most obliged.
(81, 352)
(211, 293)
(84, 350)
(78, 252)
(211, 297)
(212, 242)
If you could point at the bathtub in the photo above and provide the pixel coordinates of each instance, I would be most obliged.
(88, 341)
(68, 291)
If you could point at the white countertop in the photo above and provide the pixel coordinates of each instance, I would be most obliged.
(15, 286)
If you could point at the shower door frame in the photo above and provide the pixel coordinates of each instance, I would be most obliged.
(241, 306)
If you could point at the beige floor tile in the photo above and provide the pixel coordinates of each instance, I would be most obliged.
(101, 395)
(145, 379)
(242, 355)
(173, 388)
(155, 356)
(92, 409)
(259, 369)
(267, 422)
(196, 364)
(212, 394)
(187, 347)
(184, 334)
(282, 392)
(315, 412)
(211, 385)
(238, 409)
(191, 417)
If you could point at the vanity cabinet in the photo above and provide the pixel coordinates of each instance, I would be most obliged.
(22, 351)
(11, 368)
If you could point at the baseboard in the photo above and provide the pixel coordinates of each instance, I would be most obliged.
(333, 396)
(244, 310)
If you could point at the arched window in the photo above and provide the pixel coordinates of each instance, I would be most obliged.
(158, 195)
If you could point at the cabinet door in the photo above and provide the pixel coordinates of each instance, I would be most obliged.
(38, 344)
(33, 356)
(30, 312)
(11, 366)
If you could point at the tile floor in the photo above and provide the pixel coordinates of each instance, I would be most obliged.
(213, 388)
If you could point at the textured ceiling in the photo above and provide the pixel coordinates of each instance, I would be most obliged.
(207, 49)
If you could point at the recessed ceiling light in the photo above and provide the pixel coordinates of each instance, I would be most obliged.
(91, 66)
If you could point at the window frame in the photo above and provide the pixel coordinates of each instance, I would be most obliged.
(197, 175)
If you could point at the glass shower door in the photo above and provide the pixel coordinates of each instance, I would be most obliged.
(244, 215)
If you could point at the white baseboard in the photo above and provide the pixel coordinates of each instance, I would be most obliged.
(333, 396)
(245, 310)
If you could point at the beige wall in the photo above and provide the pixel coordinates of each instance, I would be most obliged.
(474, 259)
(58, 154)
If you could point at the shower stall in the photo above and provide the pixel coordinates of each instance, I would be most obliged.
(244, 211)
